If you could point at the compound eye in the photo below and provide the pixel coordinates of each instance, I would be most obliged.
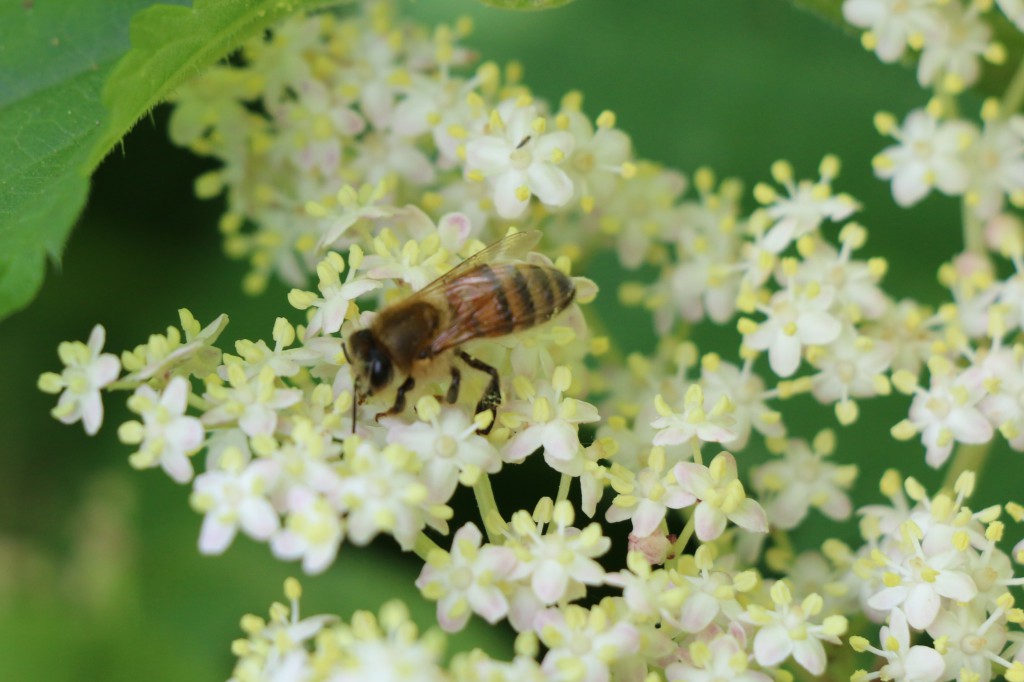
(380, 373)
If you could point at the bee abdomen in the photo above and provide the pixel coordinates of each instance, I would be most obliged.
(536, 293)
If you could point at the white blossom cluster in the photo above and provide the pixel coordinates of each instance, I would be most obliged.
(364, 156)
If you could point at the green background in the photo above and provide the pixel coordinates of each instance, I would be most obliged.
(99, 573)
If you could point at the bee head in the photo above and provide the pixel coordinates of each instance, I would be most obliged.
(370, 362)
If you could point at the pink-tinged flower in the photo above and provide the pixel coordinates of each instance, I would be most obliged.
(788, 630)
(87, 370)
(166, 436)
(467, 580)
(582, 644)
(903, 662)
(235, 496)
(796, 317)
(520, 159)
(930, 153)
(720, 496)
(722, 658)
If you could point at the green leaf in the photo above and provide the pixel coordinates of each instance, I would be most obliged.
(171, 44)
(525, 4)
(55, 60)
(54, 57)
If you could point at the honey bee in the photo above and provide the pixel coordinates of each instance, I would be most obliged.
(490, 294)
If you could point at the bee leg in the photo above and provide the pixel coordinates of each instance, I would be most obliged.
(399, 405)
(453, 388)
(492, 396)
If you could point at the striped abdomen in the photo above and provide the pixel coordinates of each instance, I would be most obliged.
(498, 299)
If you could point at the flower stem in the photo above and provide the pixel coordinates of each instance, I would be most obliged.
(1014, 95)
(198, 402)
(424, 545)
(487, 506)
(974, 238)
(563, 488)
(967, 458)
(684, 537)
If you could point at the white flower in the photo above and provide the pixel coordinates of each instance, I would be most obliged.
(694, 424)
(903, 662)
(851, 367)
(642, 209)
(235, 496)
(746, 393)
(806, 207)
(387, 648)
(467, 580)
(723, 658)
(550, 420)
(337, 296)
(946, 413)
(930, 153)
(448, 445)
(923, 581)
(797, 317)
(802, 479)
(382, 492)
(645, 497)
(788, 630)
(709, 594)
(551, 563)
(891, 22)
(997, 166)
(520, 159)
(583, 644)
(953, 47)
(163, 354)
(86, 371)
(166, 437)
(253, 402)
(313, 531)
(721, 497)
(974, 641)
(595, 165)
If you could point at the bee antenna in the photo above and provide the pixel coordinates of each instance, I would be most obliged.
(344, 350)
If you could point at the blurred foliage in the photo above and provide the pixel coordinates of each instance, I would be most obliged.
(99, 563)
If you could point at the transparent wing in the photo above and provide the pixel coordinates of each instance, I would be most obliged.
(476, 312)
(510, 247)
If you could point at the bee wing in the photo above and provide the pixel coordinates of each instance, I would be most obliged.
(510, 247)
(474, 312)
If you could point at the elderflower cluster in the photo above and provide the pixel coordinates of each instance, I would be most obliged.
(363, 156)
